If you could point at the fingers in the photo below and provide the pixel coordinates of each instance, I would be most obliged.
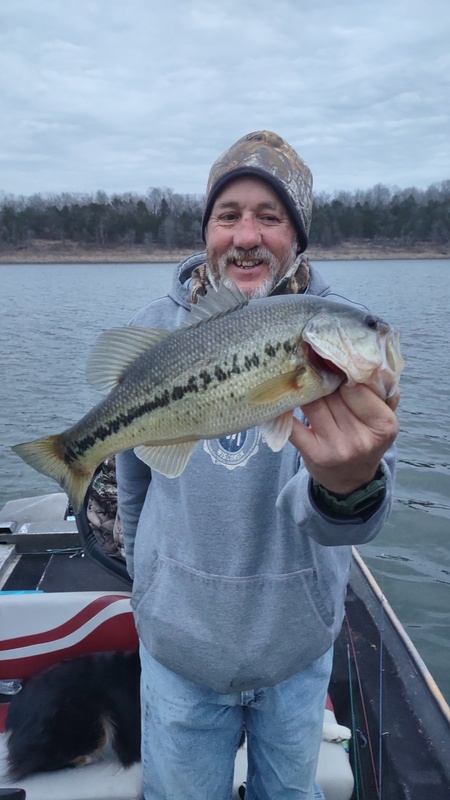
(349, 411)
(393, 401)
(349, 431)
(370, 410)
(300, 435)
(345, 408)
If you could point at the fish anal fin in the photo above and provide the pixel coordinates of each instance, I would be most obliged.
(169, 459)
(115, 350)
(277, 431)
(275, 389)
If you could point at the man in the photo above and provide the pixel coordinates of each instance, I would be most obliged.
(240, 564)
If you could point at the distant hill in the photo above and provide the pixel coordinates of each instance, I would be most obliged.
(379, 220)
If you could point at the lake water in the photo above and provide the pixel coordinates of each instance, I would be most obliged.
(51, 314)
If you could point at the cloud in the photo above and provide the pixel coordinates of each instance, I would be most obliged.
(125, 96)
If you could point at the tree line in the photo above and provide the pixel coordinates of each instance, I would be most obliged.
(164, 219)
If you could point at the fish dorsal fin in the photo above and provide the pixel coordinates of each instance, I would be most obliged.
(277, 431)
(170, 459)
(216, 304)
(115, 350)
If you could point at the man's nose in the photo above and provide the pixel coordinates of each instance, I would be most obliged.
(247, 233)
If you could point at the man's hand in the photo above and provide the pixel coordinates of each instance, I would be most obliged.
(348, 433)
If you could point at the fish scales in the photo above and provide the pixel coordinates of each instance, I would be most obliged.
(238, 365)
(211, 361)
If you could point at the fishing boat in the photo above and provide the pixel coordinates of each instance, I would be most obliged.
(62, 596)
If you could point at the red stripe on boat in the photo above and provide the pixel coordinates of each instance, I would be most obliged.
(66, 628)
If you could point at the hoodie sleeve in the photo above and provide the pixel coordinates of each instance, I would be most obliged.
(133, 480)
(296, 501)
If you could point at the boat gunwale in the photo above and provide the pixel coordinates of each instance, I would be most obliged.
(403, 636)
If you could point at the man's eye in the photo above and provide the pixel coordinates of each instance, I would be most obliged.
(230, 216)
(270, 218)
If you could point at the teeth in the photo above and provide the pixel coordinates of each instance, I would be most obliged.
(247, 263)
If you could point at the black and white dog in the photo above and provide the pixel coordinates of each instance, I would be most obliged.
(72, 712)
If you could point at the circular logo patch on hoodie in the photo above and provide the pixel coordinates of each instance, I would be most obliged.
(234, 450)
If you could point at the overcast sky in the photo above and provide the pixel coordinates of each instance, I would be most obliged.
(123, 95)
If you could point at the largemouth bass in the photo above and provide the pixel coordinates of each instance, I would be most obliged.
(234, 365)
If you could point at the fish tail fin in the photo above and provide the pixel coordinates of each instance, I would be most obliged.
(47, 456)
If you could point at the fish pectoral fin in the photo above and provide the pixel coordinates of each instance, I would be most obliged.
(169, 459)
(115, 350)
(277, 431)
(276, 388)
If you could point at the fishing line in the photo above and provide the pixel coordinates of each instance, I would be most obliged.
(380, 688)
(354, 728)
(363, 705)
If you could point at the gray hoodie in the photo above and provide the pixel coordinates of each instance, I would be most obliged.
(239, 579)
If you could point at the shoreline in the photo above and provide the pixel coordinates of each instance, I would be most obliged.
(43, 252)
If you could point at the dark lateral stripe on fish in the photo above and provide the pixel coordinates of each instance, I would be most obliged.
(169, 390)
(120, 421)
(123, 420)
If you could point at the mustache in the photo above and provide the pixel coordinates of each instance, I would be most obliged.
(277, 267)
(253, 254)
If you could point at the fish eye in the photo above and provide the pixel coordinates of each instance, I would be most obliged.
(370, 321)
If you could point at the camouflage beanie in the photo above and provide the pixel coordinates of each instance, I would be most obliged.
(269, 157)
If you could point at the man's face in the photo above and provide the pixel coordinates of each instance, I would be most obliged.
(250, 239)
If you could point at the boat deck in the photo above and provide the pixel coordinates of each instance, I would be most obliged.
(380, 688)
(55, 572)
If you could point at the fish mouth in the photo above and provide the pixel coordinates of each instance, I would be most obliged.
(382, 374)
(323, 365)
(392, 364)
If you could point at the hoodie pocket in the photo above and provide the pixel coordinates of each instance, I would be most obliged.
(233, 633)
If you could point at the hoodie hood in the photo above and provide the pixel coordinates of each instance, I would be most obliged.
(182, 280)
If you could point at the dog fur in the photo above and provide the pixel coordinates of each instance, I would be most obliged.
(71, 713)
(74, 712)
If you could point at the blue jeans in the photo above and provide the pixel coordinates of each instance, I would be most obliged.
(190, 735)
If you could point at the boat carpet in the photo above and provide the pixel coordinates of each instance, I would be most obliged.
(61, 572)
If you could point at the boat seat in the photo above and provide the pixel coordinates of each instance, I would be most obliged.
(50, 628)
(53, 627)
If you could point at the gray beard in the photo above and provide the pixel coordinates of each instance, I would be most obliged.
(277, 270)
